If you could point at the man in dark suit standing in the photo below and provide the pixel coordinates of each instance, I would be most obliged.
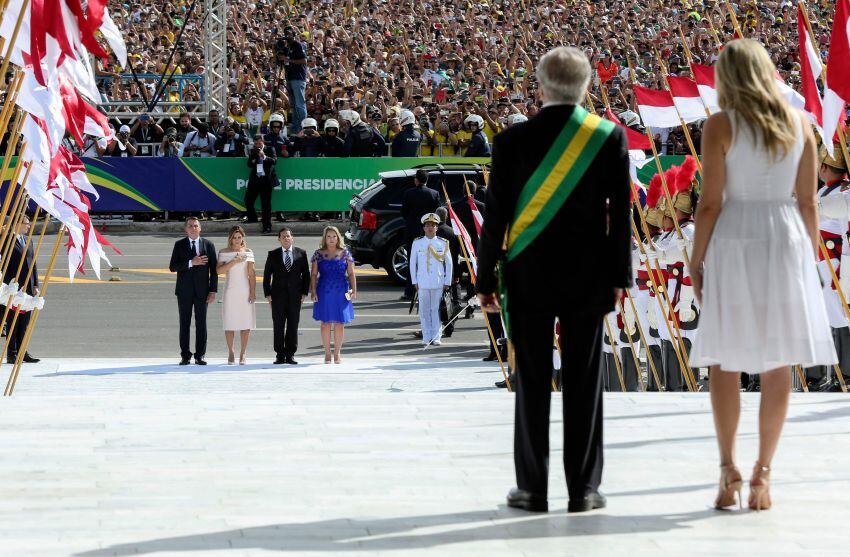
(559, 195)
(16, 333)
(415, 203)
(286, 282)
(194, 261)
(261, 181)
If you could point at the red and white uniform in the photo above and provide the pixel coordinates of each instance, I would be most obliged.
(680, 289)
(833, 230)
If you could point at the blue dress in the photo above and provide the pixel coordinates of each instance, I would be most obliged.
(331, 287)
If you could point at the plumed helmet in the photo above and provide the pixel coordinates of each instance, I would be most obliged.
(350, 116)
(474, 119)
(406, 118)
(514, 119)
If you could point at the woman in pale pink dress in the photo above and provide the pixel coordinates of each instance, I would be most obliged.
(238, 312)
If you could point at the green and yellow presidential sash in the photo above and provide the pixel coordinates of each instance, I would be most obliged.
(550, 185)
(559, 173)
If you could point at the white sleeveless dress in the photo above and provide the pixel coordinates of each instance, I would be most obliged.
(762, 302)
(237, 314)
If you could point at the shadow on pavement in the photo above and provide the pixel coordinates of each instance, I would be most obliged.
(355, 534)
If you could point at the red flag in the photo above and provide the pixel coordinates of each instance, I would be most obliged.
(477, 218)
(656, 108)
(636, 140)
(461, 233)
(837, 91)
(704, 76)
(687, 99)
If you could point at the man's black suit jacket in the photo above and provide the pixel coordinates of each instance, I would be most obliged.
(585, 251)
(416, 203)
(12, 269)
(199, 280)
(280, 283)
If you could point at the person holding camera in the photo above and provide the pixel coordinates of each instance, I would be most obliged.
(262, 179)
(291, 53)
(146, 132)
(200, 143)
(123, 145)
(231, 140)
(333, 145)
(277, 138)
(170, 146)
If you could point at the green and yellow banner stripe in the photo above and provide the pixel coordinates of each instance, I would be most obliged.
(557, 176)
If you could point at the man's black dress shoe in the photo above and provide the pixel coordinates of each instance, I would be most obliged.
(592, 501)
(184, 362)
(504, 385)
(291, 361)
(279, 361)
(405, 298)
(200, 361)
(10, 359)
(527, 501)
(489, 358)
(29, 359)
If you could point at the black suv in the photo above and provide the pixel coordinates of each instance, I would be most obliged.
(376, 231)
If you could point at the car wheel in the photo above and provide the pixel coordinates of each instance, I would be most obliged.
(397, 263)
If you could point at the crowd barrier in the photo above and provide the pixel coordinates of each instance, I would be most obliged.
(153, 184)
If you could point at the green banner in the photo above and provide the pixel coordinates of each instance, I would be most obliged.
(306, 184)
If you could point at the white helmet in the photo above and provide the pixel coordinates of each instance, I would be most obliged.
(330, 123)
(350, 116)
(475, 119)
(309, 123)
(277, 117)
(517, 118)
(406, 118)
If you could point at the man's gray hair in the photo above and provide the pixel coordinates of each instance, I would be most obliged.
(564, 74)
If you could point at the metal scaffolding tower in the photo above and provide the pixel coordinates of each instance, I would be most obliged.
(216, 77)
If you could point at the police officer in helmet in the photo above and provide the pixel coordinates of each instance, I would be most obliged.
(406, 142)
(478, 145)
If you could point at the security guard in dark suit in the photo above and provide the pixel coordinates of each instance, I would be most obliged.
(595, 209)
(416, 202)
(16, 333)
(261, 181)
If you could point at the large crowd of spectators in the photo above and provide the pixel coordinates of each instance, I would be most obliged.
(440, 59)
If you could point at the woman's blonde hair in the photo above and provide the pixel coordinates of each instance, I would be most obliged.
(236, 230)
(746, 83)
(340, 240)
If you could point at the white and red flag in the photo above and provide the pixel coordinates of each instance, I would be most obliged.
(460, 232)
(810, 69)
(637, 141)
(687, 99)
(704, 77)
(837, 85)
(657, 109)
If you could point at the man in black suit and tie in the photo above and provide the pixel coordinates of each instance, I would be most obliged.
(286, 282)
(262, 179)
(16, 333)
(194, 261)
(559, 200)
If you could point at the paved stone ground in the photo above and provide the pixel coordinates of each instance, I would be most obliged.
(402, 456)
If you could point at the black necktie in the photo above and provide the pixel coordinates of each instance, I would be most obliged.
(194, 248)
(287, 261)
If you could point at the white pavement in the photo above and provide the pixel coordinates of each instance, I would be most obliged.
(379, 456)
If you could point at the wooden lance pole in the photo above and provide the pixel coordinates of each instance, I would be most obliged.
(614, 350)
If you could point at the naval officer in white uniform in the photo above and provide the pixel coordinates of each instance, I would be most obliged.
(431, 275)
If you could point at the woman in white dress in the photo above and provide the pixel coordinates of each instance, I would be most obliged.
(238, 312)
(753, 262)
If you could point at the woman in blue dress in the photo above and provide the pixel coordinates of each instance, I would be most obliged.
(333, 286)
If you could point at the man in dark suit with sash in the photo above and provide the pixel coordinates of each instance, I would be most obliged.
(558, 199)
(286, 282)
(194, 261)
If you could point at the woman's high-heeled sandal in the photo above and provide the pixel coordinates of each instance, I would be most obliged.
(730, 483)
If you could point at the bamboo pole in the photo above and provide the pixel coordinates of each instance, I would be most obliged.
(650, 363)
(13, 376)
(7, 159)
(799, 369)
(486, 322)
(10, 103)
(616, 356)
(690, 58)
(631, 342)
(735, 23)
(12, 227)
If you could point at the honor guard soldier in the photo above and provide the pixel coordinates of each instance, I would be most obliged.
(835, 213)
(645, 300)
(431, 273)
(672, 254)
